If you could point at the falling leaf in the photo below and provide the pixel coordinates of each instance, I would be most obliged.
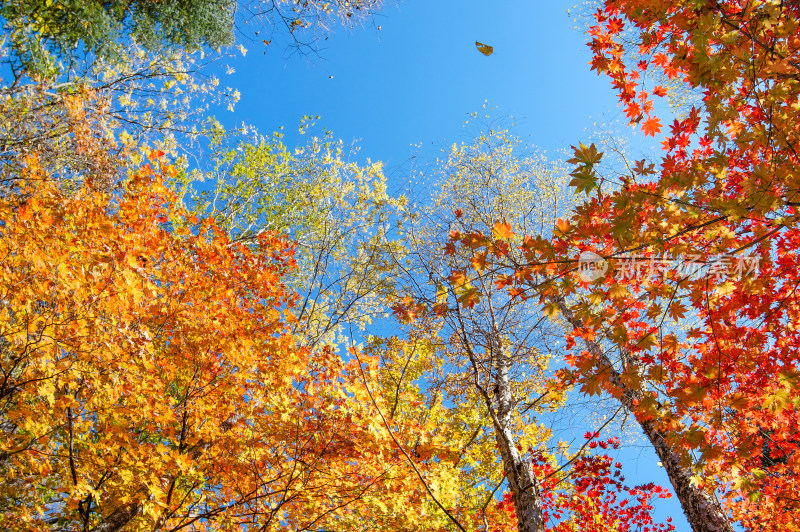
(485, 49)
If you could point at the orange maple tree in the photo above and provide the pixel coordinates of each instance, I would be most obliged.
(149, 380)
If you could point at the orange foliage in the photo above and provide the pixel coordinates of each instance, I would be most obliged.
(149, 380)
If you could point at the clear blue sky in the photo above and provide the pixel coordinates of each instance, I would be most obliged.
(416, 79)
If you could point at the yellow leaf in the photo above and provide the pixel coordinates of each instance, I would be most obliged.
(485, 49)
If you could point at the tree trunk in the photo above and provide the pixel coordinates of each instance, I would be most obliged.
(701, 508)
(521, 478)
(119, 518)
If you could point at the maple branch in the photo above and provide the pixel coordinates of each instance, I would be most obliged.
(488, 500)
(583, 447)
(400, 379)
(701, 508)
(397, 443)
(356, 497)
(519, 472)
(118, 518)
(724, 18)
(72, 471)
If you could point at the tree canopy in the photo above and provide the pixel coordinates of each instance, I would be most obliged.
(211, 329)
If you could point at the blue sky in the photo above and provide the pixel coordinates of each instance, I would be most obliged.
(416, 78)
(415, 81)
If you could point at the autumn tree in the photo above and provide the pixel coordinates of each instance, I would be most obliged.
(495, 357)
(134, 69)
(150, 379)
(496, 350)
(340, 214)
(47, 37)
(704, 345)
(724, 191)
(145, 95)
(45, 33)
(105, 111)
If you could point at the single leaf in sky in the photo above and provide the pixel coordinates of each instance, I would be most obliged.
(485, 49)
